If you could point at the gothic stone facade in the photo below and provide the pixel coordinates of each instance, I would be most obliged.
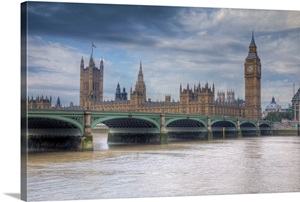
(40, 102)
(296, 106)
(91, 82)
(193, 100)
(252, 83)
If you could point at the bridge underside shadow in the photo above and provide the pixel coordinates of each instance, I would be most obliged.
(46, 134)
(248, 129)
(265, 130)
(132, 131)
(186, 129)
(224, 129)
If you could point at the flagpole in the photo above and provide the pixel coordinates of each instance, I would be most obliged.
(93, 46)
(92, 50)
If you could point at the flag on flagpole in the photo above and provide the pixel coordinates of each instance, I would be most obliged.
(94, 45)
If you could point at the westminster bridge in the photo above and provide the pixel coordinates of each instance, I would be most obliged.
(136, 127)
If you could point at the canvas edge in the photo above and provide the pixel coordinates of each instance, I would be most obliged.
(24, 124)
(23, 103)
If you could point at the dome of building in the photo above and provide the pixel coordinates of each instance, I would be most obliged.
(273, 106)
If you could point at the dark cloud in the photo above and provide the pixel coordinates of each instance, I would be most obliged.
(114, 23)
(186, 44)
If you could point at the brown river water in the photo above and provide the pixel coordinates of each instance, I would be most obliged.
(186, 168)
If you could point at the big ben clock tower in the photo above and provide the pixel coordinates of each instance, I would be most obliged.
(252, 83)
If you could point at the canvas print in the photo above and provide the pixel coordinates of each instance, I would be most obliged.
(133, 101)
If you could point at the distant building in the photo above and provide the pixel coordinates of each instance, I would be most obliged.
(272, 107)
(221, 97)
(58, 105)
(295, 106)
(120, 96)
(40, 102)
(91, 82)
(167, 98)
(230, 97)
(193, 99)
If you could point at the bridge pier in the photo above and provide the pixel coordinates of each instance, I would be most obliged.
(164, 138)
(87, 123)
(163, 131)
(258, 133)
(210, 135)
(86, 143)
(87, 138)
(209, 130)
(239, 131)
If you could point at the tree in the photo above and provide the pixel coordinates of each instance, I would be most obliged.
(278, 116)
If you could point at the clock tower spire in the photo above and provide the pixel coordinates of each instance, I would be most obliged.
(252, 72)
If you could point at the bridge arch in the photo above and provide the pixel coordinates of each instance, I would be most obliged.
(191, 122)
(125, 121)
(247, 124)
(265, 129)
(223, 129)
(130, 129)
(248, 128)
(186, 128)
(223, 123)
(39, 121)
(264, 125)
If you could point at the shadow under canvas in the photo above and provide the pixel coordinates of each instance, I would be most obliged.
(14, 195)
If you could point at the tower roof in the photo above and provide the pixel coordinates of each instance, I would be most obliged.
(296, 96)
(82, 63)
(141, 69)
(252, 49)
(273, 100)
(140, 75)
(252, 43)
(91, 63)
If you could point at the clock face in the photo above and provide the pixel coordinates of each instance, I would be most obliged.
(250, 68)
(258, 69)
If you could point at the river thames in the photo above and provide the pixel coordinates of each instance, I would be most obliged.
(186, 168)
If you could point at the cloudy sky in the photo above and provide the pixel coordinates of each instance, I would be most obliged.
(175, 45)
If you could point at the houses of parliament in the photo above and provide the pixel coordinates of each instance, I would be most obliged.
(194, 99)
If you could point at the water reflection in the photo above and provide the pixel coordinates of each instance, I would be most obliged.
(238, 166)
(100, 141)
